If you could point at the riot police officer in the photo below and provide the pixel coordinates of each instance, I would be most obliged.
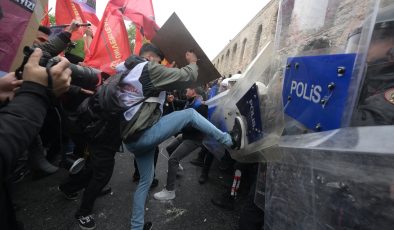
(376, 100)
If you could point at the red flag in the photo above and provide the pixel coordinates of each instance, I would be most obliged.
(139, 40)
(45, 19)
(110, 45)
(66, 11)
(141, 13)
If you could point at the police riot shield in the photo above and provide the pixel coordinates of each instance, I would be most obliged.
(332, 167)
(256, 97)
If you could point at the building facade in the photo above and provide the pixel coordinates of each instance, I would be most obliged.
(242, 49)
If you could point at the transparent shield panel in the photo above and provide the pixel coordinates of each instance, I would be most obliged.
(256, 97)
(341, 178)
(316, 33)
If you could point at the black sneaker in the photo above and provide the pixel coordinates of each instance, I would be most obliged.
(68, 196)
(86, 222)
(148, 226)
(237, 134)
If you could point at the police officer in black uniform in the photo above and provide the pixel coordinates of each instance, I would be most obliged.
(375, 107)
(376, 102)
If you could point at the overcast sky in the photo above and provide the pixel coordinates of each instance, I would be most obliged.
(213, 23)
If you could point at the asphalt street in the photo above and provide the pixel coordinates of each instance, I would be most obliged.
(41, 207)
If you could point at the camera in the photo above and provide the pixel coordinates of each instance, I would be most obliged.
(84, 77)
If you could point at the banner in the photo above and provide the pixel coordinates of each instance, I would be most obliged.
(14, 18)
(66, 11)
(110, 45)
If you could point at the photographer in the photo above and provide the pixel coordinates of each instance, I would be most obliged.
(36, 153)
(57, 125)
(84, 79)
(21, 119)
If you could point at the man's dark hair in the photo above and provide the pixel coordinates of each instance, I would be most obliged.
(45, 30)
(199, 91)
(149, 47)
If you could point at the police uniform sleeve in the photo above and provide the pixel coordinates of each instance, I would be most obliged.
(376, 110)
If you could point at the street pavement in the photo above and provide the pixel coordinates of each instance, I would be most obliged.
(41, 207)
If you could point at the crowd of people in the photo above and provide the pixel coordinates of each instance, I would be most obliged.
(52, 105)
(56, 112)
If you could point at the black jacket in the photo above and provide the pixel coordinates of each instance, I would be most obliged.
(376, 106)
(20, 122)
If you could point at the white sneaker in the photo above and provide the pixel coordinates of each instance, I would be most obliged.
(164, 195)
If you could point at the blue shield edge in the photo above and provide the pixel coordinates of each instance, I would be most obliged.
(249, 107)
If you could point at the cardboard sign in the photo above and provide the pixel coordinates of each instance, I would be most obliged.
(174, 40)
(13, 24)
(24, 25)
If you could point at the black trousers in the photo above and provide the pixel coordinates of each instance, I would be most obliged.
(97, 171)
(208, 159)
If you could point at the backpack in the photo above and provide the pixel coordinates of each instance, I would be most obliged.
(99, 112)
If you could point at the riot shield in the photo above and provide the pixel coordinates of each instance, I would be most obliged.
(325, 174)
(256, 97)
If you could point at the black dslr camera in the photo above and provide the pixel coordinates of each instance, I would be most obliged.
(46, 61)
(84, 77)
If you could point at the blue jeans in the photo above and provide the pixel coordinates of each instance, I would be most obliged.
(144, 150)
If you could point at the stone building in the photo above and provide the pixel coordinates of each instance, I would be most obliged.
(238, 53)
(244, 47)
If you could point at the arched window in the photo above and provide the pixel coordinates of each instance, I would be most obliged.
(257, 41)
(242, 50)
(228, 56)
(234, 51)
(222, 60)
